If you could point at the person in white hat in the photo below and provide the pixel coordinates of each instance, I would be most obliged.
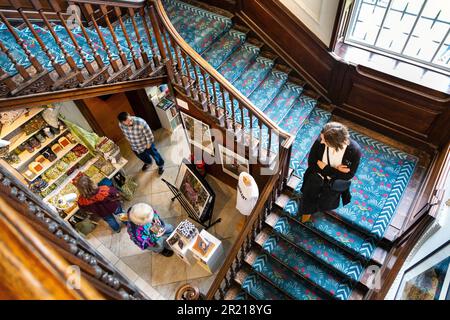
(147, 230)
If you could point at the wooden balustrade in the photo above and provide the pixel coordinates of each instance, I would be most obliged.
(209, 89)
(108, 31)
(252, 228)
(32, 230)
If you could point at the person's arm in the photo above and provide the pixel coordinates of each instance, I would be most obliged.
(336, 174)
(147, 132)
(314, 157)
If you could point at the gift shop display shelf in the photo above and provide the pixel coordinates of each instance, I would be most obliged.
(8, 129)
(71, 165)
(73, 210)
(47, 164)
(26, 156)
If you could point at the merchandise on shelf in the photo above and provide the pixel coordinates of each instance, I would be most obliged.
(79, 150)
(37, 185)
(105, 166)
(35, 124)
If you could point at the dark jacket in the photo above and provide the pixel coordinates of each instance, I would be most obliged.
(330, 199)
(104, 203)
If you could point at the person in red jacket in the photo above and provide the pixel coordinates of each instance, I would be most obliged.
(101, 200)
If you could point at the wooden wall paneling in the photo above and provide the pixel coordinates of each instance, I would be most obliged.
(291, 40)
(90, 118)
(109, 109)
(216, 168)
(143, 107)
(403, 110)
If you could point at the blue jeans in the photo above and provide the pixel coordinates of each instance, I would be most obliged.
(147, 155)
(111, 220)
(162, 243)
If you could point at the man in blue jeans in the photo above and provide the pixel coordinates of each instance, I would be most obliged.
(141, 139)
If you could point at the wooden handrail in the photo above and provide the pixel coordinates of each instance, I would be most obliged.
(30, 268)
(242, 100)
(252, 220)
(135, 4)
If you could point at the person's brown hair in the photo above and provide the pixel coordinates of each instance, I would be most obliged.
(336, 135)
(86, 187)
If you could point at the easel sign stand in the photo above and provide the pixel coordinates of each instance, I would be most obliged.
(205, 218)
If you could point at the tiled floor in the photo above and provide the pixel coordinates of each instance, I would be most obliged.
(158, 276)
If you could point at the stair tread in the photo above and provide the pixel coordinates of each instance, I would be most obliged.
(360, 244)
(307, 267)
(199, 28)
(257, 287)
(253, 76)
(322, 249)
(268, 89)
(307, 135)
(283, 102)
(224, 47)
(17, 52)
(239, 60)
(297, 115)
(286, 280)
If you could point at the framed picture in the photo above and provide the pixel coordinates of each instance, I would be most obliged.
(232, 163)
(429, 278)
(198, 133)
(194, 191)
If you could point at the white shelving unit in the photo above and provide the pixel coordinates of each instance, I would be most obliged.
(71, 165)
(27, 156)
(47, 164)
(7, 129)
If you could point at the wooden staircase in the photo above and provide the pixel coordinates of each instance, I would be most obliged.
(101, 48)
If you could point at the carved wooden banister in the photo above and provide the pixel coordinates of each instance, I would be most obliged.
(29, 267)
(241, 101)
(74, 44)
(49, 253)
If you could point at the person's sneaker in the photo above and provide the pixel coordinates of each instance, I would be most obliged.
(146, 167)
(161, 170)
(167, 253)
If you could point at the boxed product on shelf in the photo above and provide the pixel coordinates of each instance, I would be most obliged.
(105, 166)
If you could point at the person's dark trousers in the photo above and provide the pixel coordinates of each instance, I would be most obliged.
(311, 190)
(147, 155)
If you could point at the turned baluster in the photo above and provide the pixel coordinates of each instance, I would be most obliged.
(123, 58)
(197, 83)
(208, 98)
(260, 139)
(216, 104)
(224, 105)
(179, 68)
(37, 5)
(55, 6)
(135, 58)
(270, 142)
(155, 55)
(90, 13)
(187, 81)
(157, 32)
(138, 36)
(242, 123)
(58, 68)
(25, 75)
(233, 115)
(251, 130)
(34, 62)
(7, 81)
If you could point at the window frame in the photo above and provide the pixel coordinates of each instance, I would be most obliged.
(392, 54)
